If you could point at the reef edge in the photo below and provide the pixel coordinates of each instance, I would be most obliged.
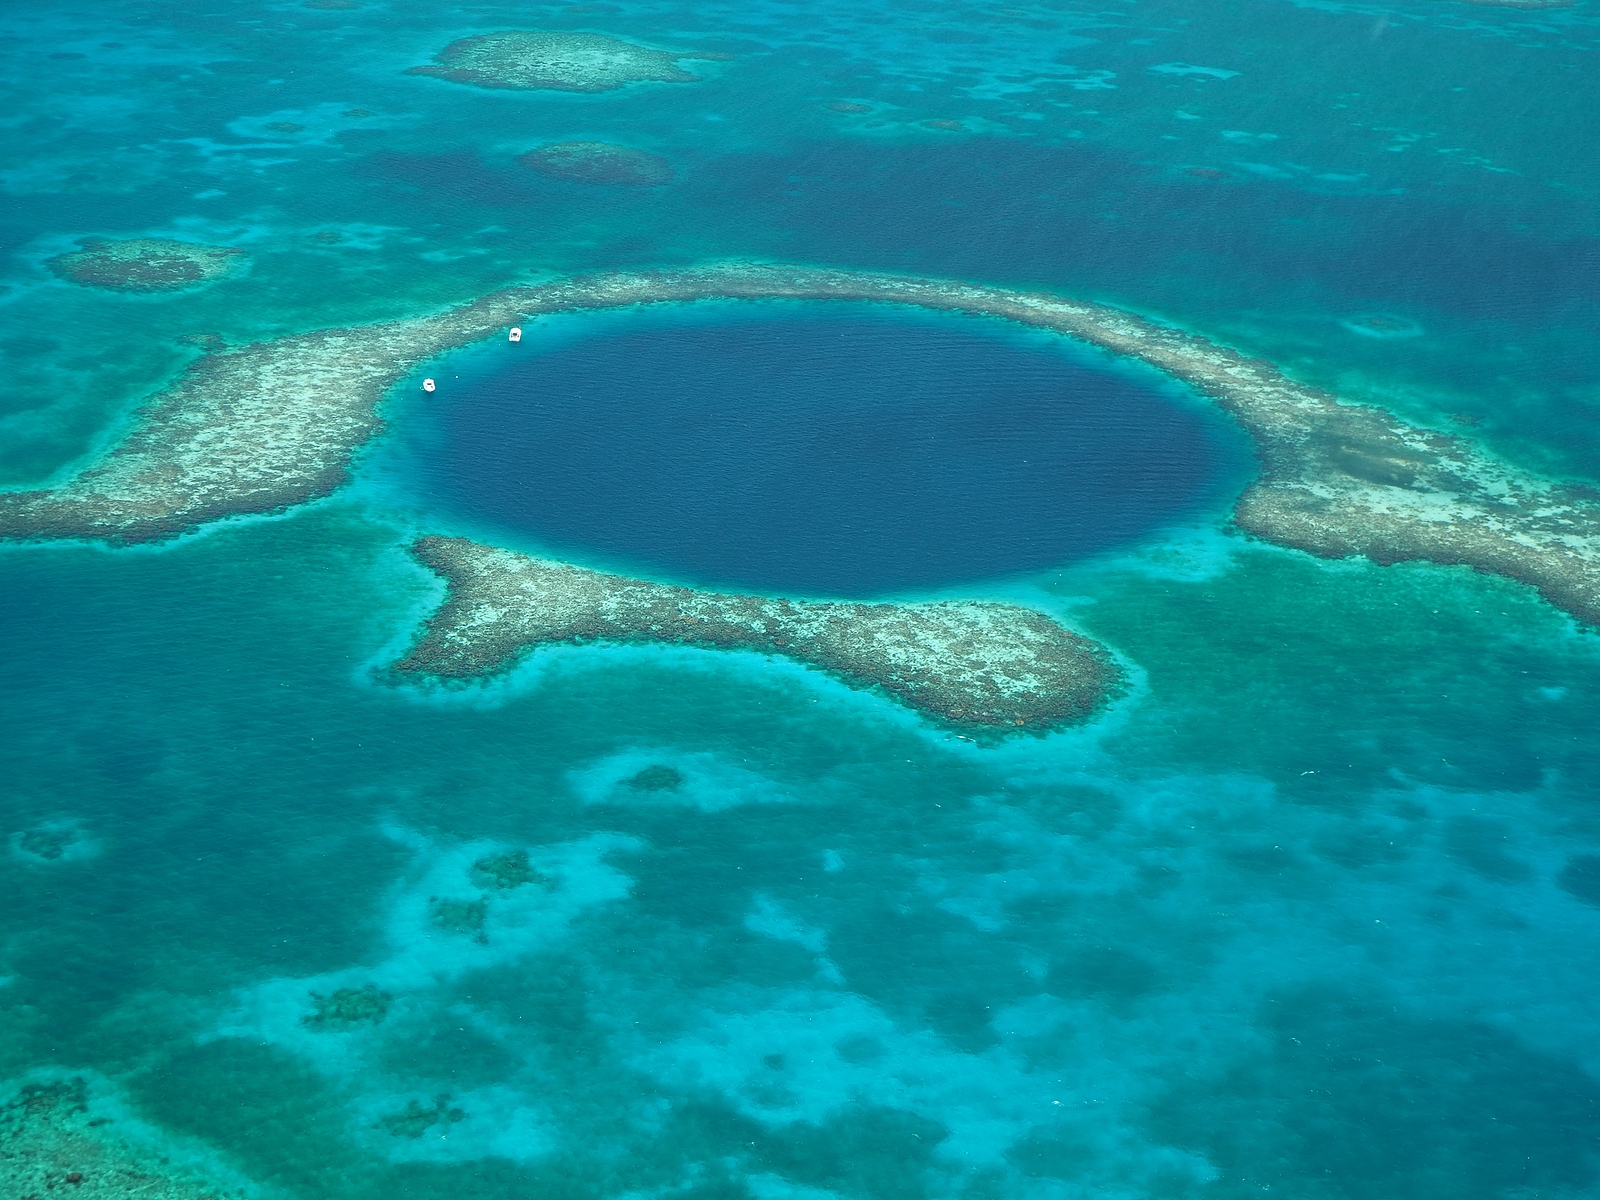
(270, 425)
(977, 666)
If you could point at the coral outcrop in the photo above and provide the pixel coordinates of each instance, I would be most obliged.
(414, 1119)
(460, 916)
(525, 59)
(656, 778)
(975, 665)
(145, 264)
(51, 1145)
(503, 872)
(47, 843)
(599, 163)
(348, 1007)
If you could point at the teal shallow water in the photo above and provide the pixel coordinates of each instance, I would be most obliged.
(1299, 914)
(842, 953)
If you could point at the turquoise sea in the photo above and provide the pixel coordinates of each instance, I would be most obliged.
(1311, 911)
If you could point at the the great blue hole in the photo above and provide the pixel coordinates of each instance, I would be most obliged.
(813, 449)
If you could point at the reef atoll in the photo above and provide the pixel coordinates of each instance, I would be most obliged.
(565, 62)
(145, 264)
(50, 1144)
(972, 664)
(262, 427)
(599, 163)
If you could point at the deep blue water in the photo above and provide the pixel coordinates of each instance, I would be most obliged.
(814, 451)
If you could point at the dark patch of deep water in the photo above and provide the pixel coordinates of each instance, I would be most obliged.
(813, 449)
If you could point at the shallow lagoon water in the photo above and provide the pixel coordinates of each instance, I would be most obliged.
(817, 450)
(1310, 912)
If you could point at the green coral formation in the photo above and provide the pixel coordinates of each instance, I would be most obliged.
(46, 842)
(656, 778)
(503, 872)
(563, 62)
(414, 1120)
(51, 1145)
(145, 264)
(602, 163)
(347, 1007)
(980, 666)
(460, 916)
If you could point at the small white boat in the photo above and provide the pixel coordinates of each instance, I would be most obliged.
(427, 385)
(516, 333)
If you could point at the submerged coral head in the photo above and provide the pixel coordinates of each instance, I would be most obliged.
(368, 1004)
(504, 872)
(599, 163)
(524, 59)
(657, 778)
(145, 264)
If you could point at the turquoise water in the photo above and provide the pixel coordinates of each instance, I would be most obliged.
(1311, 911)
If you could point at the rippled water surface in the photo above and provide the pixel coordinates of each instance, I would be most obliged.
(1312, 910)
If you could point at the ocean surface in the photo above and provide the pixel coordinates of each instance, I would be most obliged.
(1312, 911)
(809, 449)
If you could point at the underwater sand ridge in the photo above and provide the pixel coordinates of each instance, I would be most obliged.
(267, 426)
(601, 163)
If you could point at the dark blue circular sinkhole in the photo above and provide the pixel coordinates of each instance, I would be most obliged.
(813, 449)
